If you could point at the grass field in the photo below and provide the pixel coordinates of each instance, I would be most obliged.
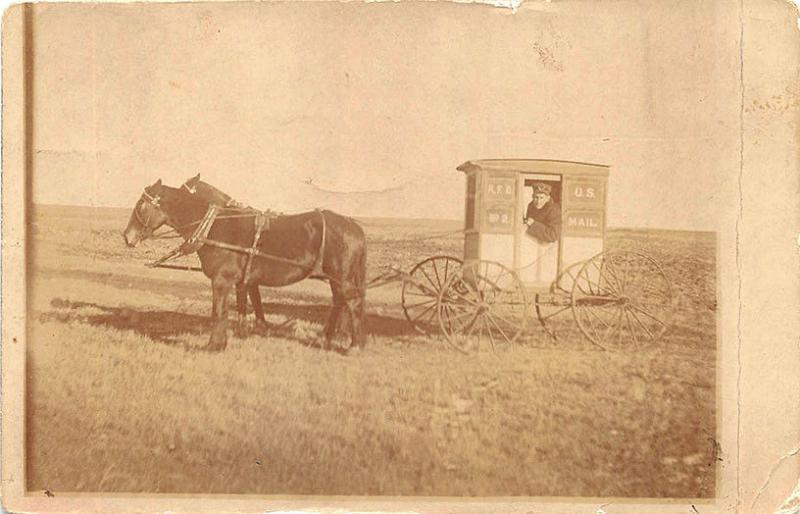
(121, 400)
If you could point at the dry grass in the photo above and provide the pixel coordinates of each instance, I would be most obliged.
(121, 400)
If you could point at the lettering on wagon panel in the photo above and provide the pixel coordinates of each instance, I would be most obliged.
(585, 192)
(499, 217)
(584, 223)
(500, 188)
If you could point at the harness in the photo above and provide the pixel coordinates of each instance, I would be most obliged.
(261, 224)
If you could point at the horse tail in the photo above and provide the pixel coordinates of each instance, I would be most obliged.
(361, 273)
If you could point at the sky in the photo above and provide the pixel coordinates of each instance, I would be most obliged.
(367, 109)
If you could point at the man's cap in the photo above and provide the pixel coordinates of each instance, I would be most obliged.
(540, 187)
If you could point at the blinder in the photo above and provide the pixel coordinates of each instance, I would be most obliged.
(154, 200)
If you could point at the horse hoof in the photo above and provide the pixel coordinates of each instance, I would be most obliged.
(240, 331)
(217, 343)
(261, 328)
(211, 347)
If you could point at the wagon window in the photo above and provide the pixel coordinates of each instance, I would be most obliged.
(555, 193)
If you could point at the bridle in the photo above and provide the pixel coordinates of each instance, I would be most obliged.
(153, 200)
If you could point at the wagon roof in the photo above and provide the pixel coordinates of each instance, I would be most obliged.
(535, 166)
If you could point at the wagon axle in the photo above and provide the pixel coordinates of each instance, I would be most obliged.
(602, 300)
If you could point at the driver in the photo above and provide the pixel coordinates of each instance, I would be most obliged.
(543, 216)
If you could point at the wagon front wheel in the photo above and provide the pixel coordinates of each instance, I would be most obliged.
(482, 307)
(420, 294)
(622, 300)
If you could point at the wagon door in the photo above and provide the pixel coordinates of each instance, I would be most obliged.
(536, 262)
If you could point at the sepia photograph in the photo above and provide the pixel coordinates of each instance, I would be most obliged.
(378, 250)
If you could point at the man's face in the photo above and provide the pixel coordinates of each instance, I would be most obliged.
(540, 199)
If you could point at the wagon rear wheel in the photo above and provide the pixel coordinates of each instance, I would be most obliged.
(622, 300)
(421, 293)
(482, 307)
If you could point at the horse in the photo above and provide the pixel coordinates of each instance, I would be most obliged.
(316, 244)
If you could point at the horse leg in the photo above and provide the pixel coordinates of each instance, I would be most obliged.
(241, 308)
(355, 306)
(221, 288)
(258, 309)
(333, 316)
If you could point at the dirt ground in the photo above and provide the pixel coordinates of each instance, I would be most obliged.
(121, 399)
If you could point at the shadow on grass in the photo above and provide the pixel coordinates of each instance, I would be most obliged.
(170, 327)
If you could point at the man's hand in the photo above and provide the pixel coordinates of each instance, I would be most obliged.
(529, 221)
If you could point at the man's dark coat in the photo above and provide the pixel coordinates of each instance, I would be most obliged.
(546, 222)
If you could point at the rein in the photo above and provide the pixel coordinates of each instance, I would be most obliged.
(174, 232)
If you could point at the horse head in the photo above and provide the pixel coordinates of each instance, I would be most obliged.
(161, 205)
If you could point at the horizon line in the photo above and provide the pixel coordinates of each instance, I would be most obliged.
(611, 227)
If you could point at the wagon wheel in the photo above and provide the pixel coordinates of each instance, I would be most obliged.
(482, 306)
(622, 300)
(420, 294)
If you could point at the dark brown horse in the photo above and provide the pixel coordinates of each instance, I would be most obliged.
(316, 244)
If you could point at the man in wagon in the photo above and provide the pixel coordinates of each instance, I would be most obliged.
(543, 216)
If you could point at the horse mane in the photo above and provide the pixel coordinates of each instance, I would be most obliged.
(215, 195)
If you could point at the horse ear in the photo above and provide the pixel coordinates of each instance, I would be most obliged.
(157, 183)
(193, 181)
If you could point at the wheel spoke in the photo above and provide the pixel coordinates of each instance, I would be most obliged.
(472, 324)
(425, 273)
(500, 329)
(599, 276)
(489, 331)
(500, 279)
(483, 285)
(480, 321)
(582, 290)
(636, 317)
(463, 315)
(504, 319)
(436, 272)
(423, 313)
(597, 317)
(639, 309)
(447, 308)
(617, 326)
(594, 328)
(415, 305)
(423, 291)
(462, 296)
(455, 324)
(625, 275)
(559, 311)
(630, 326)
(608, 266)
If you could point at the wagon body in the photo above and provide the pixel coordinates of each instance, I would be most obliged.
(497, 195)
